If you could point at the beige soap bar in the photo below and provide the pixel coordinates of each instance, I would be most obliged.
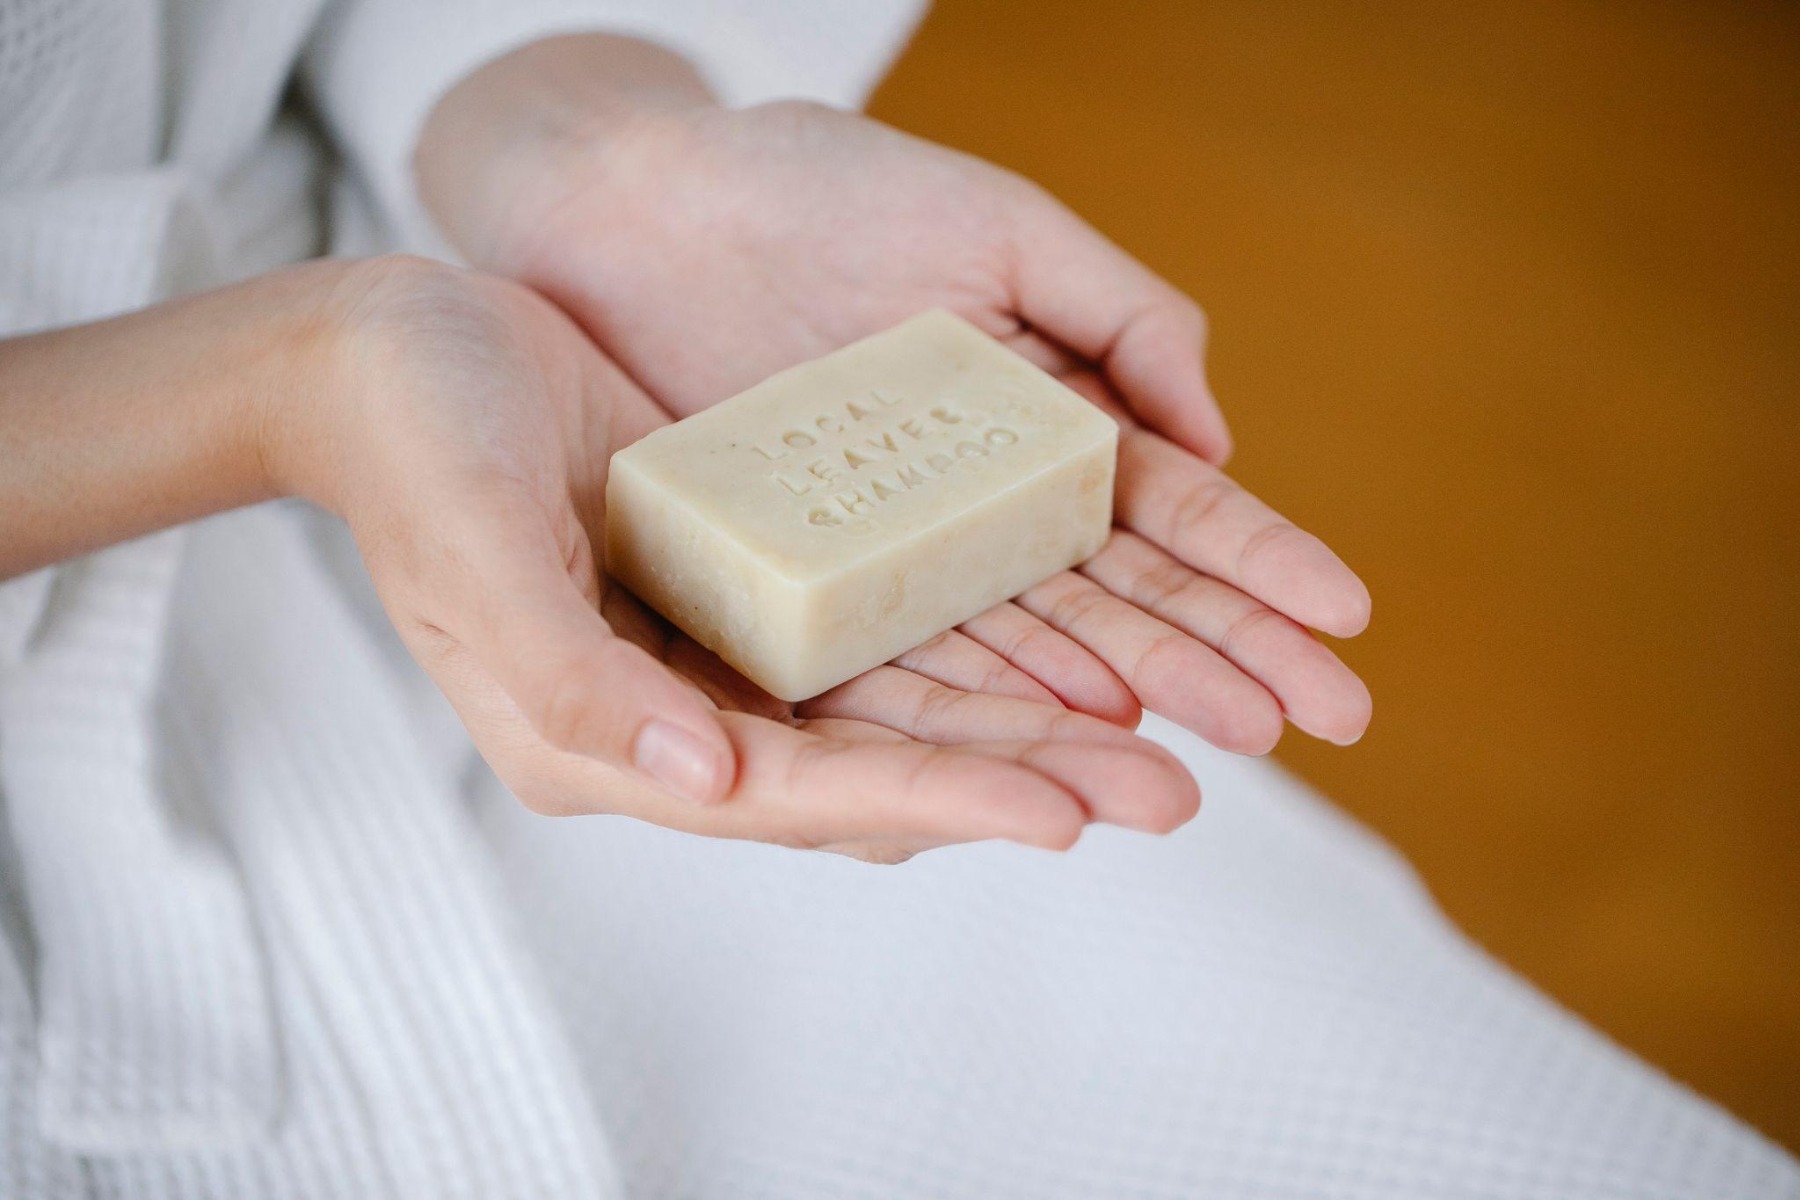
(850, 508)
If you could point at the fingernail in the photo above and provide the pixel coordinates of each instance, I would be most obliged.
(677, 759)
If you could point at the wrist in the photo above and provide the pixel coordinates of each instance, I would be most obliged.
(300, 428)
(504, 147)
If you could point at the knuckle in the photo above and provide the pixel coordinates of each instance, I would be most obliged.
(1074, 604)
(565, 712)
(1258, 543)
(999, 673)
(1199, 503)
(937, 705)
(1231, 642)
(1161, 656)
(1020, 642)
(1068, 726)
(935, 649)
(933, 762)
(1163, 583)
(810, 765)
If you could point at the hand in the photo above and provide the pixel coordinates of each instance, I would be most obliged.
(708, 248)
(464, 436)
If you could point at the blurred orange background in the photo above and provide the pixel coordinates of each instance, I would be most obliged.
(1506, 306)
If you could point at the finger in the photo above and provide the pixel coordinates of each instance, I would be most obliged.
(1141, 787)
(930, 712)
(1172, 673)
(1120, 779)
(1198, 514)
(884, 848)
(958, 661)
(889, 850)
(1079, 679)
(1148, 790)
(816, 790)
(1083, 291)
(1315, 689)
(521, 602)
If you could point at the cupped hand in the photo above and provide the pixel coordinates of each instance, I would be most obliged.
(465, 440)
(708, 248)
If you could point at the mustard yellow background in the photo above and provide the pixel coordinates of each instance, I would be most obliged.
(1506, 305)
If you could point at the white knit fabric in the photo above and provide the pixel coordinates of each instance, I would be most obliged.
(253, 944)
(1265, 1004)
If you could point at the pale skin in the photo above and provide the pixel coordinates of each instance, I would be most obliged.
(461, 424)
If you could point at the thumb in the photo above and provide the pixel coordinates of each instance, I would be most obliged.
(525, 609)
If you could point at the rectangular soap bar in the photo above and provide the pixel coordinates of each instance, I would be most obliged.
(848, 509)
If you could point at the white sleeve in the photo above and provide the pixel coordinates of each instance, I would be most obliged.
(375, 68)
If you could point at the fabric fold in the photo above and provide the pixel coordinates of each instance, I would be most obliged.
(155, 1026)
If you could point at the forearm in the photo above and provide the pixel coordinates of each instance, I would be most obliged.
(516, 123)
(115, 429)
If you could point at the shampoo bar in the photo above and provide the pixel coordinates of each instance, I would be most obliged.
(852, 507)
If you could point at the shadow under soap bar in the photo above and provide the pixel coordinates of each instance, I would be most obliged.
(848, 509)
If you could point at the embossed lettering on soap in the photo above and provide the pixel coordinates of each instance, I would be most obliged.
(853, 460)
